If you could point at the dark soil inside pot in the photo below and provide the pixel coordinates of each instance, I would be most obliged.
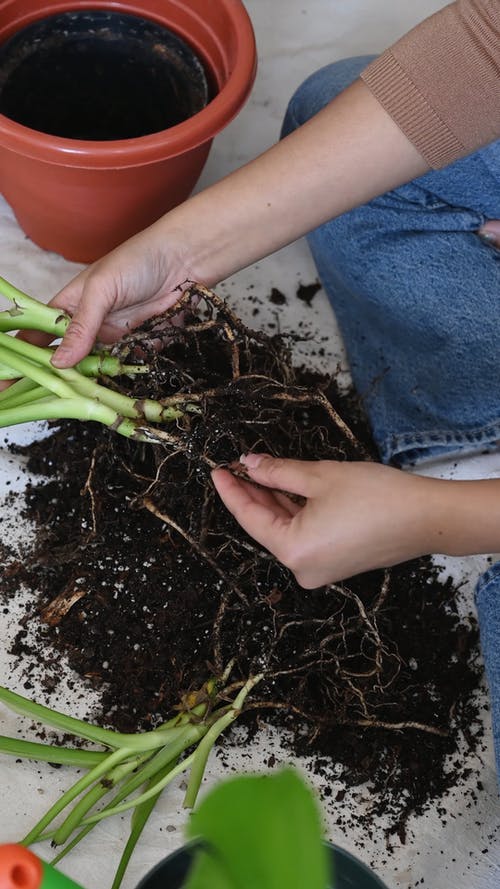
(99, 76)
(146, 583)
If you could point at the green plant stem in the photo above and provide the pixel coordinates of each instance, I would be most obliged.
(211, 735)
(30, 314)
(17, 399)
(93, 365)
(94, 795)
(51, 753)
(193, 735)
(152, 759)
(6, 373)
(137, 743)
(35, 362)
(78, 409)
(160, 763)
(155, 789)
(166, 757)
(113, 768)
(139, 820)
(205, 746)
(85, 781)
(124, 791)
(20, 360)
(18, 388)
(103, 364)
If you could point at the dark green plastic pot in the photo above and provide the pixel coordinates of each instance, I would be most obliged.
(350, 873)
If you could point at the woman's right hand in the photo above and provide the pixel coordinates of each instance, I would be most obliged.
(140, 278)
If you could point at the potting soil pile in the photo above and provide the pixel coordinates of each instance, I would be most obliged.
(139, 574)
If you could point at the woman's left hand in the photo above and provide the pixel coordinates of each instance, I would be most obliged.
(490, 232)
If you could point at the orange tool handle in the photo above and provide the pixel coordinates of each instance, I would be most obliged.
(22, 869)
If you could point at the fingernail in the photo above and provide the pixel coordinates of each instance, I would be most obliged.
(251, 461)
(58, 358)
(488, 237)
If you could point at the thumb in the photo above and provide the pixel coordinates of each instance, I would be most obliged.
(80, 337)
(78, 341)
(490, 232)
(294, 476)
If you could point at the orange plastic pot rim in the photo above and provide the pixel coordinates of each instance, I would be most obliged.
(177, 140)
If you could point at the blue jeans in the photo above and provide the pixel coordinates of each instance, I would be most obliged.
(416, 295)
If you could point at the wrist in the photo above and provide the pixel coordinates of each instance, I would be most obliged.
(184, 252)
(460, 518)
(427, 514)
(211, 245)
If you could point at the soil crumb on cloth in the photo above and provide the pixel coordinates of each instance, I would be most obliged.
(145, 582)
(307, 292)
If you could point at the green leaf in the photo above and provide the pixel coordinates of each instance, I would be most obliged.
(259, 832)
(208, 873)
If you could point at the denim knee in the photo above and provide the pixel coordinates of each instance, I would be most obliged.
(488, 612)
(320, 88)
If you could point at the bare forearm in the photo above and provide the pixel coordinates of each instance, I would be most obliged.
(464, 516)
(344, 156)
(348, 153)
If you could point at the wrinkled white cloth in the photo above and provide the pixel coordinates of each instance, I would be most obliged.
(460, 849)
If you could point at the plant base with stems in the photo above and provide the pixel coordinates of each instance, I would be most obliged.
(132, 769)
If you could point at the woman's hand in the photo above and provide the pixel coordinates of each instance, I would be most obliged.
(137, 280)
(356, 516)
(490, 232)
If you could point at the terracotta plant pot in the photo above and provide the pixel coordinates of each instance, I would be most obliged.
(348, 871)
(82, 193)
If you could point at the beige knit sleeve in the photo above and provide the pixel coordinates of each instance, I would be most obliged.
(441, 81)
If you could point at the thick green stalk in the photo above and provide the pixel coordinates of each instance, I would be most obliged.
(20, 361)
(19, 358)
(137, 743)
(153, 759)
(78, 409)
(152, 768)
(143, 409)
(83, 409)
(85, 781)
(93, 365)
(113, 769)
(28, 356)
(138, 409)
(139, 820)
(51, 753)
(6, 373)
(18, 388)
(34, 362)
(30, 314)
(205, 746)
(29, 397)
(158, 764)
(94, 795)
(103, 364)
(211, 734)
(156, 789)
(167, 756)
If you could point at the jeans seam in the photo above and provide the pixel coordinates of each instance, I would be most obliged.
(399, 444)
(492, 575)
